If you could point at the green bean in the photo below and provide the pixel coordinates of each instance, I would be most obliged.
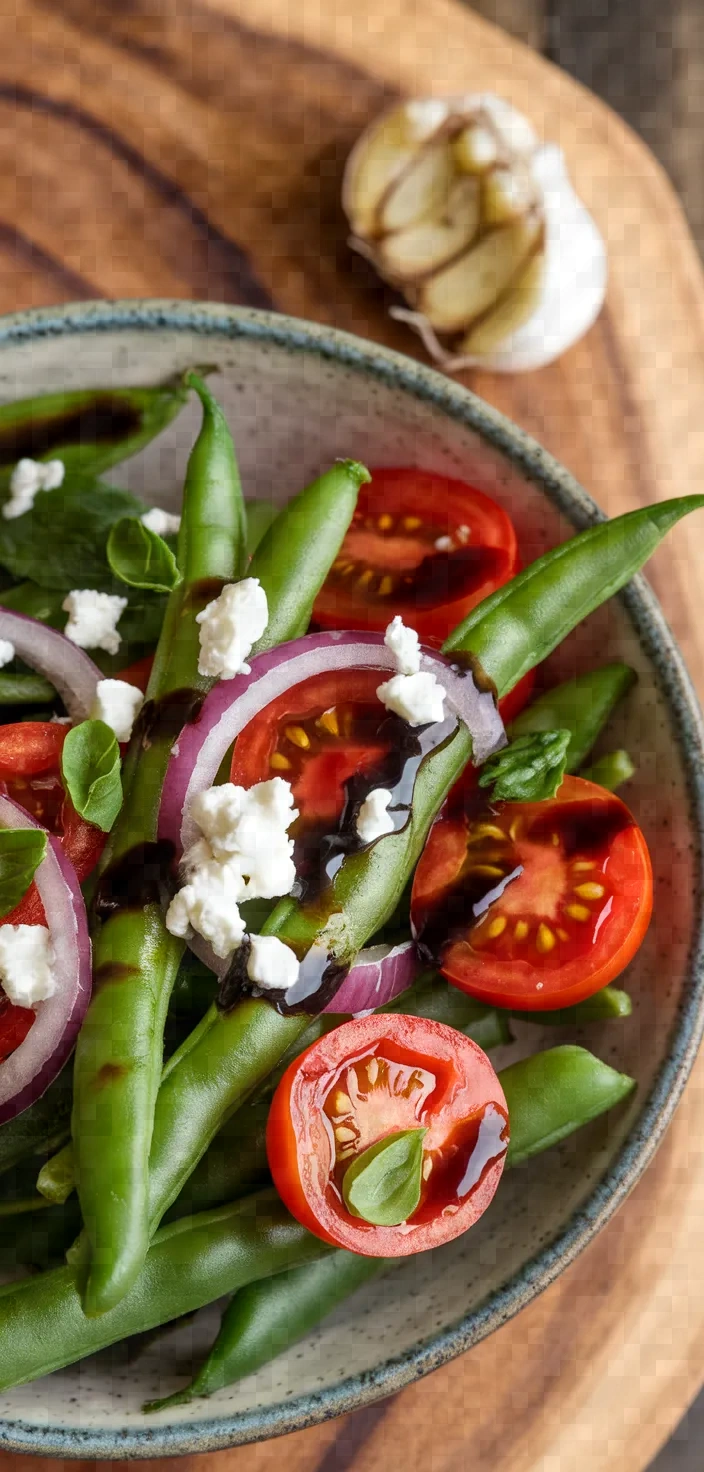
(549, 1096)
(260, 515)
(581, 706)
(515, 628)
(25, 690)
(608, 1005)
(57, 1177)
(190, 1263)
(136, 960)
(611, 770)
(295, 555)
(89, 429)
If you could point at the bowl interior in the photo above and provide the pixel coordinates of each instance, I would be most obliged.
(294, 408)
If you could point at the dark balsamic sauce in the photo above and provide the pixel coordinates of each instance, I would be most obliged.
(142, 876)
(107, 419)
(164, 719)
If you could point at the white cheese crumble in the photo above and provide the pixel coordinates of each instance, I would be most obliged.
(404, 646)
(463, 534)
(230, 626)
(444, 544)
(7, 652)
(373, 820)
(117, 704)
(27, 479)
(271, 964)
(164, 523)
(412, 694)
(245, 853)
(418, 699)
(92, 619)
(27, 964)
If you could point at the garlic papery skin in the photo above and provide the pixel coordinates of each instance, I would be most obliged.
(458, 206)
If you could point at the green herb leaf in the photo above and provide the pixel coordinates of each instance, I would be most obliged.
(383, 1184)
(90, 766)
(60, 543)
(529, 770)
(140, 557)
(21, 853)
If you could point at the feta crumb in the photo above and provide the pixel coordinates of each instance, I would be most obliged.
(271, 964)
(7, 652)
(230, 626)
(92, 618)
(444, 544)
(27, 479)
(61, 720)
(117, 704)
(209, 904)
(27, 964)
(373, 819)
(418, 699)
(463, 534)
(164, 523)
(404, 646)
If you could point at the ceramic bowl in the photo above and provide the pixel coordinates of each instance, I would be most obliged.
(297, 396)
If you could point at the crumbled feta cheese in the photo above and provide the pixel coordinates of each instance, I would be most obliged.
(245, 853)
(463, 534)
(230, 626)
(117, 704)
(404, 646)
(164, 523)
(27, 479)
(373, 819)
(27, 964)
(444, 544)
(271, 964)
(92, 619)
(209, 904)
(418, 699)
(61, 720)
(7, 652)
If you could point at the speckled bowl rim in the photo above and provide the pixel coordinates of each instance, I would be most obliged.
(688, 730)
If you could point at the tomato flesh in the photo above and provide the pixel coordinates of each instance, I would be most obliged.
(390, 562)
(367, 1080)
(534, 905)
(15, 1023)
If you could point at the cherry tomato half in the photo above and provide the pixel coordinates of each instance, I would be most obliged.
(369, 1079)
(534, 906)
(390, 561)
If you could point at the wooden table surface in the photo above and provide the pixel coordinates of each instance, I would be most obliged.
(193, 148)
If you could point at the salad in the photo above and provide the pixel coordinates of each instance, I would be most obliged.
(287, 840)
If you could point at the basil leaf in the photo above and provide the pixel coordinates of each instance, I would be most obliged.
(21, 853)
(60, 543)
(140, 557)
(90, 767)
(529, 770)
(383, 1184)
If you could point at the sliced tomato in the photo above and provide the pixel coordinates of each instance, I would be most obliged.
(390, 561)
(370, 1079)
(30, 759)
(15, 1023)
(138, 673)
(534, 906)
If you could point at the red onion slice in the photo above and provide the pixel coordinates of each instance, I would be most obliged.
(27, 1073)
(232, 704)
(378, 976)
(68, 668)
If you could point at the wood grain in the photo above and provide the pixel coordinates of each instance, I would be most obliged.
(193, 148)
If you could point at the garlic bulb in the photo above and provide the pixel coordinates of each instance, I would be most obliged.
(458, 206)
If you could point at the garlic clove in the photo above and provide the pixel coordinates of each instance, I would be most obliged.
(413, 253)
(475, 149)
(508, 192)
(453, 298)
(513, 128)
(424, 115)
(421, 189)
(378, 157)
(514, 308)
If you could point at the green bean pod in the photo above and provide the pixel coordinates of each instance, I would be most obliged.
(581, 706)
(89, 429)
(515, 628)
(25, 690)
(608, 1005)
(550, 1096)
(610, 770)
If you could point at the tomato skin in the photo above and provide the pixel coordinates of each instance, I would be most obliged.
(439, 505)
(512, 704)
(30, 747)
(138, 673)
(548, 967)
(15, 1023)
(30, 762)
(462, 1090)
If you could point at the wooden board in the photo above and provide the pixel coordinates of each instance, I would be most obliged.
(194, 148)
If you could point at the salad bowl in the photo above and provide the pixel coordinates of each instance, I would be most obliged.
(297, 397)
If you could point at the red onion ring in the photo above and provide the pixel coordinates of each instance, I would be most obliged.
(27, 1073)
(378, 976)
(69, 668)
(232, 704)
